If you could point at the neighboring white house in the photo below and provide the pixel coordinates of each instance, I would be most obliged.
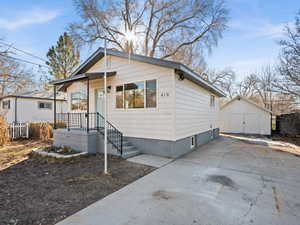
(158, 106)
(241, 115)
(31, 106)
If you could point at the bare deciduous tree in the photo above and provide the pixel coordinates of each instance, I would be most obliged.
(289, 69)
(14, 76)
(264, 85)
(163, 28)
(246, 87)
(225, 80)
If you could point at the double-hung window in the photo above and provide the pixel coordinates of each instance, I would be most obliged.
(79, 100)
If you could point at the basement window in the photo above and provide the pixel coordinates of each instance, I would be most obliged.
(193, 142)
(6, 104)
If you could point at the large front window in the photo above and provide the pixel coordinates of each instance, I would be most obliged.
(79, 101)
(135, 95)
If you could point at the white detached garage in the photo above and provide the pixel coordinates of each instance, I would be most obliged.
(241, 115)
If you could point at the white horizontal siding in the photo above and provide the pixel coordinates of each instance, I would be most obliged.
(28, 111)
(156, 123)
(193, 112)
(9, 114)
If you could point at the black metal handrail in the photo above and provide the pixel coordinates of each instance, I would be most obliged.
(89, 122)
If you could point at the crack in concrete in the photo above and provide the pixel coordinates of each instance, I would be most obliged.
(254, 202)
(277, 203)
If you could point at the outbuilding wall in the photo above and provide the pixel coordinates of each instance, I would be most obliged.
(240, 116)
(28, 110)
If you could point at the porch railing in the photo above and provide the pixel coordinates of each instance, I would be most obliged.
(89, 122)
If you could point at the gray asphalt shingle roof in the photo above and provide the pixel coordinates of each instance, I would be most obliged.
(37, 94)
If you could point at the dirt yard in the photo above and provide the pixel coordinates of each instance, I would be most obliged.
(39, 192)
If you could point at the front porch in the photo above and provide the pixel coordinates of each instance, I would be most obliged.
(84, 132)
(82, 127)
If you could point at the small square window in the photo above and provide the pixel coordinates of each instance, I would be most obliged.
(6, 104)
(45, 105)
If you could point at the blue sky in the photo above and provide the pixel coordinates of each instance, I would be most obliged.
(249, 42)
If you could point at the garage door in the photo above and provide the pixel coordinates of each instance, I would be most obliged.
(242, 123)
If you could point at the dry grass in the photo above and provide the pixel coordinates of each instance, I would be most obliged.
(4, 135)
(45, 131)
(41, 130)
(18, 151)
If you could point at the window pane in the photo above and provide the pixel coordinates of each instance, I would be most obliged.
(74, 105)
(134, 95)
(119, 97)
(151, 93)
(6, 104)
(212, 100)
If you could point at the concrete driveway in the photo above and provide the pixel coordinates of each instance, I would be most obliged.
(226, 182)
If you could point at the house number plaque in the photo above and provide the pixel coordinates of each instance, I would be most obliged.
(164, 94)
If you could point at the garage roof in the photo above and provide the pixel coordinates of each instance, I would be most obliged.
(247, 100)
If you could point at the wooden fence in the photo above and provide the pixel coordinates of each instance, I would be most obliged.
(18, 130)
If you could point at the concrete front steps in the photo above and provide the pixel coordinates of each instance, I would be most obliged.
(128, 150)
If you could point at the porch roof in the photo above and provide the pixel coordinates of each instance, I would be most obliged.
(83, 76)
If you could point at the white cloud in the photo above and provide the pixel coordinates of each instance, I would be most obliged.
(34, 16)
(258, 28)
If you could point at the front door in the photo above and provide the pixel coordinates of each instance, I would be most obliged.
(99, 97)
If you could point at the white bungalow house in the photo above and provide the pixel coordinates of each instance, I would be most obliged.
(242, 116)
(31, 106)
(154, 106)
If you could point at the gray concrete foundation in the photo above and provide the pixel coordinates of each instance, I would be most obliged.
(92, 142)
(172, 149)
(81, 141)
